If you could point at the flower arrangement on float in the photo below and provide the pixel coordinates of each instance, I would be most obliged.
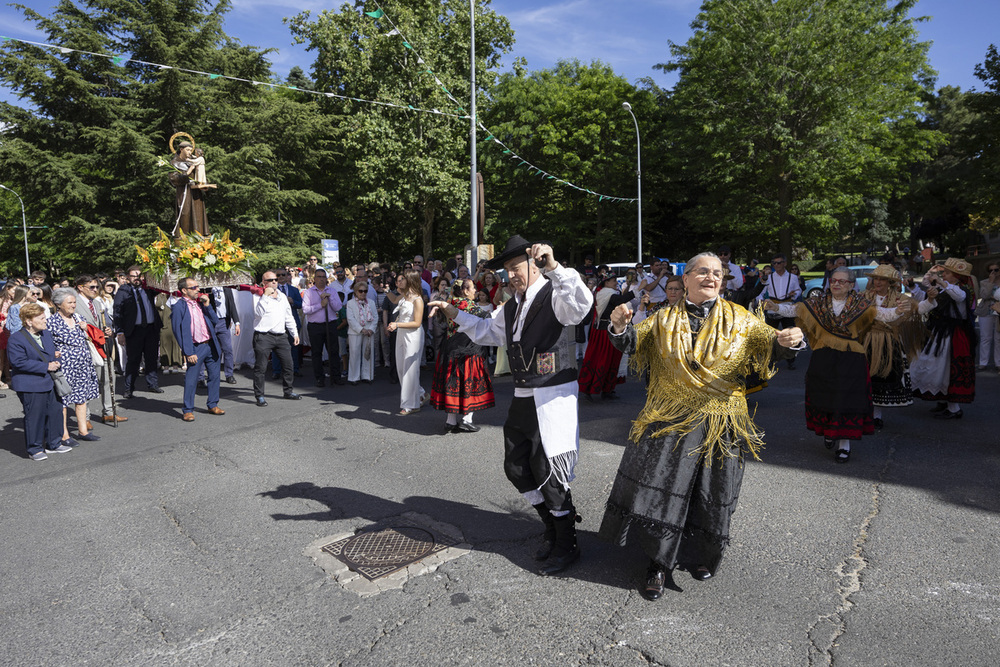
(215, 260)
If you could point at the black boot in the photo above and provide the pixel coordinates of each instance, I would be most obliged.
(549, 538)
(565, 552)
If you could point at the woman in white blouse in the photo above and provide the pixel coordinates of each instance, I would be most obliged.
(361, 322)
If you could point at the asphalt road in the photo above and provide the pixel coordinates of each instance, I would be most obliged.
(172, 543)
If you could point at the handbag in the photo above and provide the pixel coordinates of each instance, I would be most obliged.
(62, 385)
(95, 341)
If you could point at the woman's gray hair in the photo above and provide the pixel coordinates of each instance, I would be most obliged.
(61, 294)
(846, 271)
(703, 255)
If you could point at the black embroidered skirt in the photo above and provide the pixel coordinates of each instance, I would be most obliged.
(671, 503)
(839, 395)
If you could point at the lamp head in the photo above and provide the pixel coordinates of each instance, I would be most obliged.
(626, 106)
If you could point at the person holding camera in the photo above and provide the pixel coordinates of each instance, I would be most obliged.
(194, 325)
(945, 371)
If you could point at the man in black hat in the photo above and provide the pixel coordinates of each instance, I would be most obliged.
(541, 434)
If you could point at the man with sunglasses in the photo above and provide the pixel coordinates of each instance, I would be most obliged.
(780, 286)
(94, 311)
(272, 319)
(194, 325)
(294, 297)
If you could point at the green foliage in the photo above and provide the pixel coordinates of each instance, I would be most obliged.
(570, 121)
(84, 155)
(985, 176)
(789, 113)
(401, 183)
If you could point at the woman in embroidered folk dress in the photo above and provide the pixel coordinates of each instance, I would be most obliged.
(408, 325)
(889, 346)
(599, 372)
(945, 369)
(69, 334)
(838, 387)
(678, 485)
(462, 384)
(361, 321)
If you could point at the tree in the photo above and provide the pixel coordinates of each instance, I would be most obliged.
(569, 121)
(790, 112)
(84, 154)
(403, 183)
(986, 164)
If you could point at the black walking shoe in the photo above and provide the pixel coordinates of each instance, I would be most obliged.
(656, 581)
(549, 538)
(948, 414)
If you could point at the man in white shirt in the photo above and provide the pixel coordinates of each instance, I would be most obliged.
(272, 317)
(541, 434)
(725, 254)
(655, 283)
(780, 286)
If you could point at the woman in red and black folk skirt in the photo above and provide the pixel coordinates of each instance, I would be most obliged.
(838, 386)
(599, 371)
(462, 384)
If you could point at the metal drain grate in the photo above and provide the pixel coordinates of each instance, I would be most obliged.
(380, 552)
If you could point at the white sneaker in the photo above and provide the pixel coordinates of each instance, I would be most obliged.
(38, 456)
(61, 449)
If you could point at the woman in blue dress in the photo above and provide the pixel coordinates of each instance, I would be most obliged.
(71, 339)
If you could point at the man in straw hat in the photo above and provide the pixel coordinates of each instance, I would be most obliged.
(541, 434)
(945, 370)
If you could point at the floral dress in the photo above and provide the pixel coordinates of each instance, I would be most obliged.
(75, 359)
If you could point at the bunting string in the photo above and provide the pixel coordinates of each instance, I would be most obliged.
(120, 61)
(379, 14)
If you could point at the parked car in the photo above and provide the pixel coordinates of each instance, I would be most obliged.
(814, 286)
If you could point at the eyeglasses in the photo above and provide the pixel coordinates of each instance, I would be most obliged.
(994, 270)
(282, 275)
(703, 272)
(270, 280)
(840, 281)
(33, 293)
(778, 261)
(91, 286)
(192, 287)
(134, 275)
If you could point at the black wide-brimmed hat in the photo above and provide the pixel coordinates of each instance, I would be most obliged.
(516, 246)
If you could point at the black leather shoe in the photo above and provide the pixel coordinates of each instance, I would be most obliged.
(842, 456)
(557, 564)
(948, 414)
(656, 581)
(338, 381)
(292, 396)
(878, 424)
(128, 394)
(701, 573)
(156, 390)
(230, 380)
(940, 407)
(261, 402)
(465, 428)
(828, 443)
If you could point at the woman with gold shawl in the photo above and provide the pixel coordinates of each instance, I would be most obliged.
(838, 386)
(889, 345)
(677, 486)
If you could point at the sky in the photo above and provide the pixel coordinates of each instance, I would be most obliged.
(631, 36)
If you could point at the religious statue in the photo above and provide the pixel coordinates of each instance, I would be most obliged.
(189, 181)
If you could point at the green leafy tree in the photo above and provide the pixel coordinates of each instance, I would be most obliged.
(402, 184)
(569, 121)
(85, 150)
(985, 177)
(790, 112)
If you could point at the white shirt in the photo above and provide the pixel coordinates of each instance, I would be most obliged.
(737, 274)
(783, 286)
(571, 303)
(273, 314)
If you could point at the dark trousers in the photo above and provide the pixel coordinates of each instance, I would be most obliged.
(296, 357)
(42, 419)
(265, 343)
(227, 359)
(143, 345)
(782, 323)
(209, 356)
(323, 335)
(524, 459)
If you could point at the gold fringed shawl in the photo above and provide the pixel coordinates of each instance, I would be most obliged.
(908, 331)
(703, 384)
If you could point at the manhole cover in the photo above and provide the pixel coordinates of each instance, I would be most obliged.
(378, 553)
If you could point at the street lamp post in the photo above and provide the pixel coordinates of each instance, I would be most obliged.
(638, 174)
(24, 223)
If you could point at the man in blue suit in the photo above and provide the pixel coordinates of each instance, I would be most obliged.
(193, 322)
(294, 297)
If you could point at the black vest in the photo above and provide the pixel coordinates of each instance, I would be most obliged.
(546, 354)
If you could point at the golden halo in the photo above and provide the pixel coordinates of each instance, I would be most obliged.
(170, 144)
